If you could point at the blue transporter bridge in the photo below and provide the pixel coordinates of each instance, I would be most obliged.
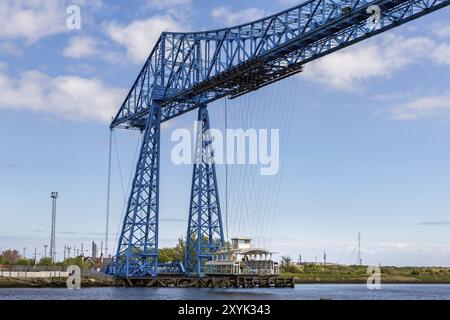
(187, 71)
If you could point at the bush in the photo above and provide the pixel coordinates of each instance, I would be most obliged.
(289, 269)
(415, 272)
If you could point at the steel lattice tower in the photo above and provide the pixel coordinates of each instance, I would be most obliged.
(205, 230)
(54, 196)
(137, 253)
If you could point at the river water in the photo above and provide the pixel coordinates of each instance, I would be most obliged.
(301, 292)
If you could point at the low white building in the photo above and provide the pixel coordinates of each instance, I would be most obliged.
(242, 259)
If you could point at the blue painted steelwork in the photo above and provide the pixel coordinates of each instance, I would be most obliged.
(186, 71)
(194, 69)
(205, 229)
(137, 252)
(172, 268)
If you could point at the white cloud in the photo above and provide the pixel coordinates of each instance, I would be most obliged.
(401, 253)
(7, 47)
(81, 68)
(233, 18)
(81, 47)
(93, 4)
(405, 247)
(432, 106)
(442, 54)
(289, 2)
(181, 10)
(166, 4)
(31, 20)
(348, 68)
(69, 97)
(442, 31)
(140, 36)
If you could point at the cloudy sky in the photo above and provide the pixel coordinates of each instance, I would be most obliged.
(365, 134)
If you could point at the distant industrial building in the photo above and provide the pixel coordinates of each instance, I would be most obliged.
(94, 250)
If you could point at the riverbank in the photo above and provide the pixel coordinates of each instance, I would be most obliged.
(314, 274)
(86, 282)
(311, 274)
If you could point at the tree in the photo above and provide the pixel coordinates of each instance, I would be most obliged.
(287, 266)
(175, 254)
(45, 262)
(168, 255)
(10, 257)
(24, 262)
(77, 262)
(181, 249)
(286, 261)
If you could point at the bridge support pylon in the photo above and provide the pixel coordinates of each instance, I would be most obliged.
(205, 230)
(137, 252)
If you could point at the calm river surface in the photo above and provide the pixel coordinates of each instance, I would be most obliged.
(301, 292)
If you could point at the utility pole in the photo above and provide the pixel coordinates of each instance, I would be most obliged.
(324, 258)
(35, 256)
(54, 196)
(359, 249)
(94, 250)
(65, 248)
(24, 255)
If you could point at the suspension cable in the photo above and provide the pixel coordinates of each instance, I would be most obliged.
(226, 175)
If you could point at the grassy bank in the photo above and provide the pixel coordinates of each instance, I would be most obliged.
(55, 282)
(310, 274)
(356, 274)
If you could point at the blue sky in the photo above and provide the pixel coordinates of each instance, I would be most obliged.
(364, 131)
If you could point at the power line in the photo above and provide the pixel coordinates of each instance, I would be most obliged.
(226, 175)
(108, 193)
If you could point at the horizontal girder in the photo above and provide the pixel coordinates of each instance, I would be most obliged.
(187, 70)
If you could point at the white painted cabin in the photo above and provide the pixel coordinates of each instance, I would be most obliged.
(242, 259)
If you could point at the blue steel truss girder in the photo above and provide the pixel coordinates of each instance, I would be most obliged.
(171, 268)
(205, 230)
(137, 252)
(197, 68)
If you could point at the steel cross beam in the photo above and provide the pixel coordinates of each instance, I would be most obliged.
(205, 230)
(193, 69)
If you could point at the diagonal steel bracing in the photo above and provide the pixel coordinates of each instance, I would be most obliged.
(205, 230)
(194, 69)
(137, 253)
